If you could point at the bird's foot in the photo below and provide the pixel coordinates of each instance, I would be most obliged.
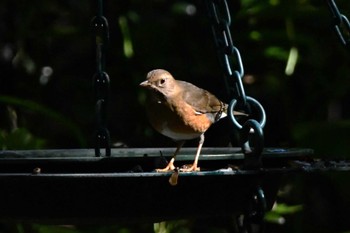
(189, 168)
(168, 168)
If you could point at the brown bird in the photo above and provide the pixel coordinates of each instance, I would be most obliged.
(181, 111)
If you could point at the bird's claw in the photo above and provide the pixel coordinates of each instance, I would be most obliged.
(189, 168)
(168, 168)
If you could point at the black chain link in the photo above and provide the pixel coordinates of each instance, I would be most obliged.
(341, 24)
(251, 132)
(232, 64)
(221, 20)
(100, 29)
(253, 220)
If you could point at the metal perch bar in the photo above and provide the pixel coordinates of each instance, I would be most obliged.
(74, 186)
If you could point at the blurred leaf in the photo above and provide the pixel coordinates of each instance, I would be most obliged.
(184, 8)
(277, 53)
(22, 59)
(20, 139)
(54, 229)
(46, 112)
(328, 139)
(127, 43)
(282, 208)
(180, 226)
(276, 215)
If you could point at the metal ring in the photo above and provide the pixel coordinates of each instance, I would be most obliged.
(101, 85)
(257, 139)
(254, 103)
(252, 220)
(238, 57)
(342, 32)
(218, 14)
(102, 140)
(241, 97)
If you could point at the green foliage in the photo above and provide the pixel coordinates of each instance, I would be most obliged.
(277, 53)
(178, 226)
(276, 215)
(127, 42)
(54, 229)
(328, 139)
(296, 67)
(45, 113)
(20, 139)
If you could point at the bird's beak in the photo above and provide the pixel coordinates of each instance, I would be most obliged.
(145, 84)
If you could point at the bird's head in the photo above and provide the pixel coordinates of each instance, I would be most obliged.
(160, 81)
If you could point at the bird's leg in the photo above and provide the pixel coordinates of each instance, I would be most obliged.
(195, 162)
(170, 166)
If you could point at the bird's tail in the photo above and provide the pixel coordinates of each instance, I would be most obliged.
(223, 112)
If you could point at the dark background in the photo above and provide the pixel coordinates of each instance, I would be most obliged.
(47, 61)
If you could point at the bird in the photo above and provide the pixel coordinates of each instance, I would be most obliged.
(181, 111)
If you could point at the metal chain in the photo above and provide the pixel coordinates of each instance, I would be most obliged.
(341, 24)
(232, 65)
(253, 220)
(100, 29)
(251, 131)
(221, 21)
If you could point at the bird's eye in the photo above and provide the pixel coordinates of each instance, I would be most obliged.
(162, 81)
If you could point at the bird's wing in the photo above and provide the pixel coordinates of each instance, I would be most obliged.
(201, 100)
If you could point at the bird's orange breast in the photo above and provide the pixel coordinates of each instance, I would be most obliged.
(177, 119)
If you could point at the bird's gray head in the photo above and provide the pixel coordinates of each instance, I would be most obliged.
(160, 81)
